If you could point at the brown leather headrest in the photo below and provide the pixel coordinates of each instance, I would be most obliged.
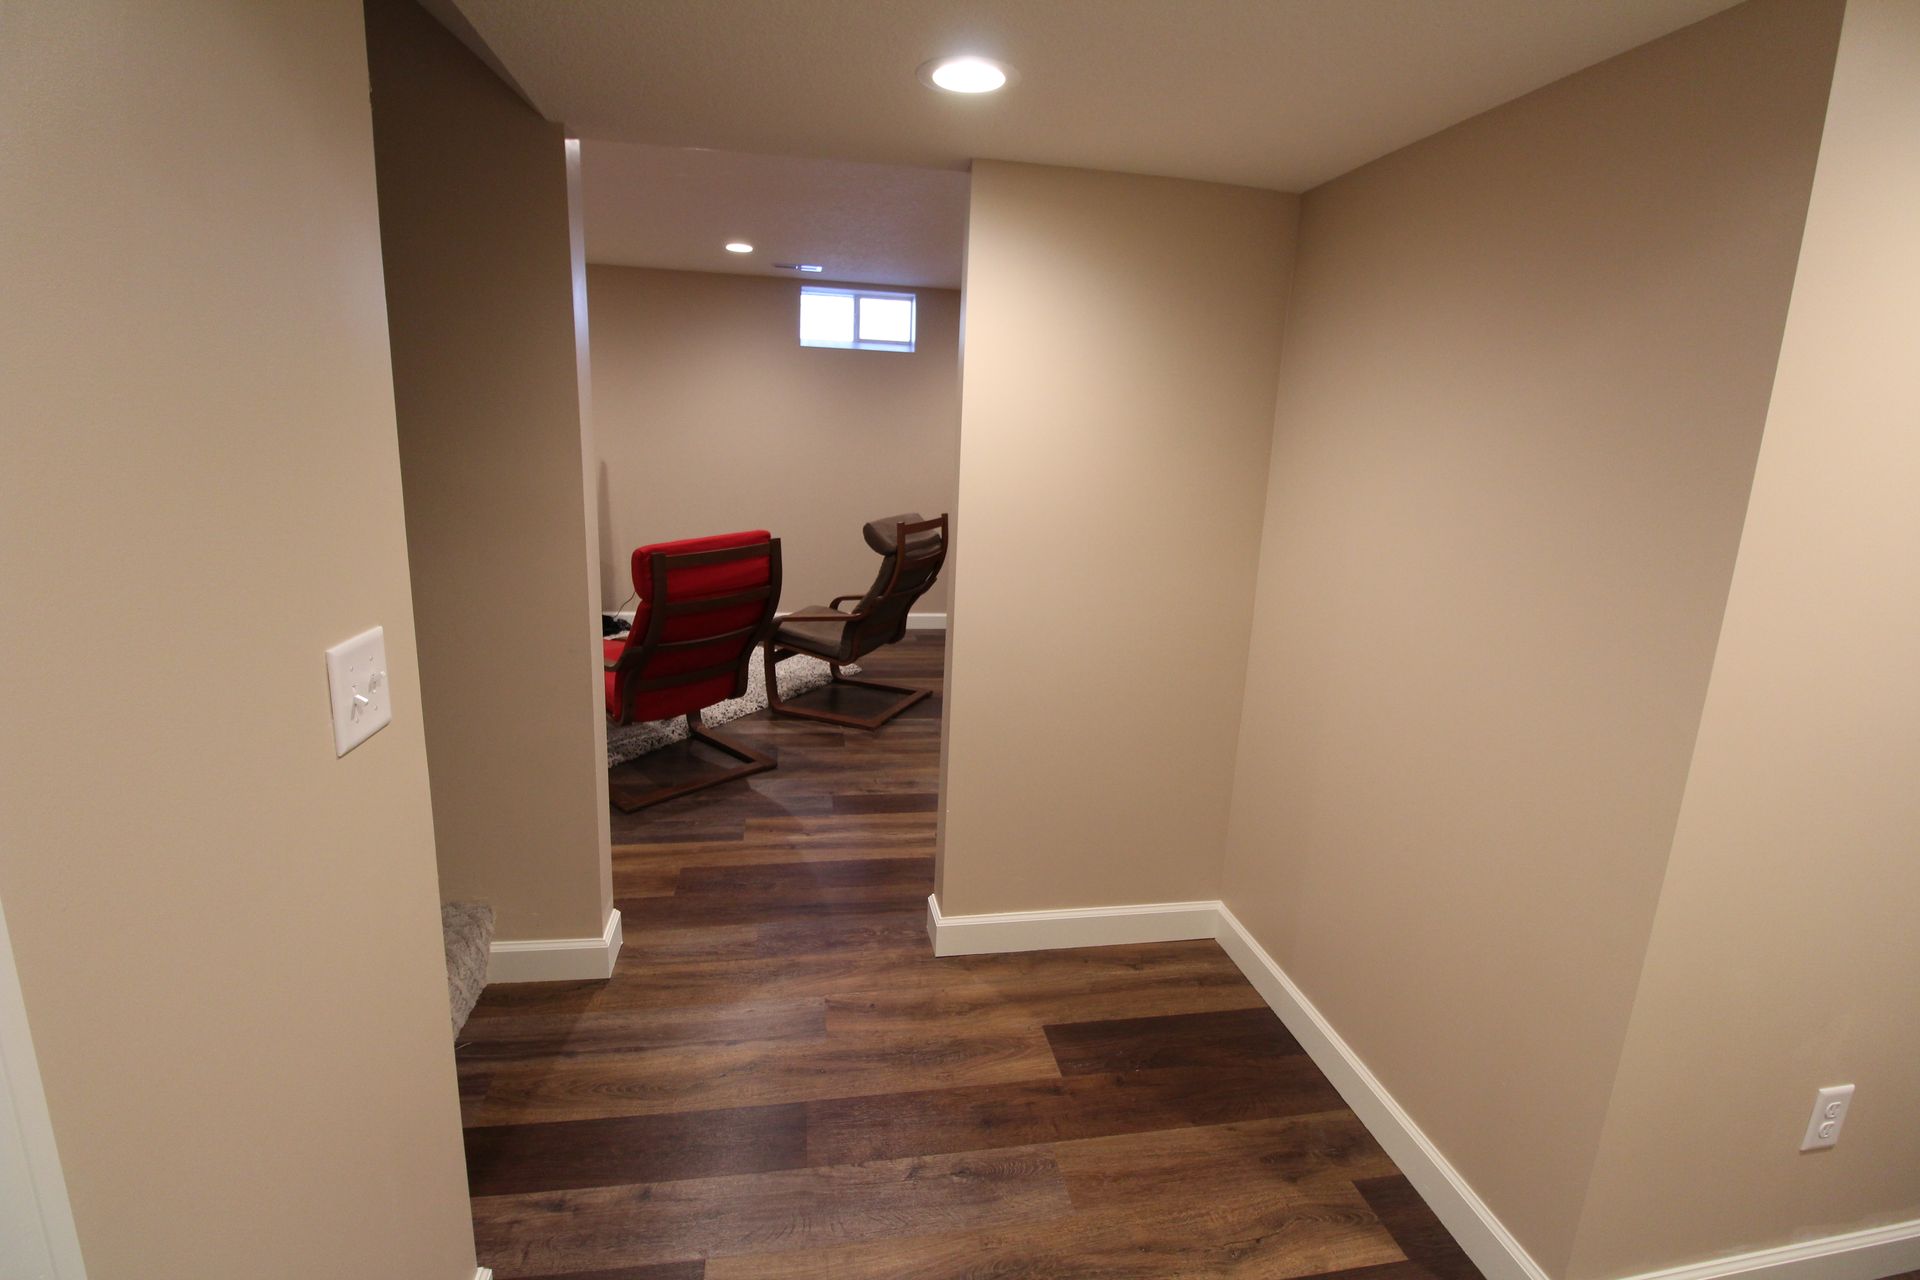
(879, 533)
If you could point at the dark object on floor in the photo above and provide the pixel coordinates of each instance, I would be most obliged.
(612, 626)
(911, 553)
(704, 604)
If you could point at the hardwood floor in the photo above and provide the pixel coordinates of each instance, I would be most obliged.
(781, 1081)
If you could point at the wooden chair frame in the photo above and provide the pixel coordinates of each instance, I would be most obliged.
(908, 697)
(651, 644)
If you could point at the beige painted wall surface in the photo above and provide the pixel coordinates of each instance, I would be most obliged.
(712, 417)
(1785, 953)
(1526, 370)
(1123, 339)
(227, 938)
(475, 218)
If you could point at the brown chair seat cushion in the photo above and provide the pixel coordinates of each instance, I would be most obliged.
(823, 637)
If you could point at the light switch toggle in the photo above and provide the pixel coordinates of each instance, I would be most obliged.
(357, 684)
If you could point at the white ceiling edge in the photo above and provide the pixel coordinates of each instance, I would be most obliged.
(675, 208)
(1282, 94)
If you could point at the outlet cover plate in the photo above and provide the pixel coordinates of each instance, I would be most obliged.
(357, 685)
(1829, 1113)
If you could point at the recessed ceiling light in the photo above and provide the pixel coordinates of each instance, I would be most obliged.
(968, 74)
(739, 246)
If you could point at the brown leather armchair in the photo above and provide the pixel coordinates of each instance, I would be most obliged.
(912, 551)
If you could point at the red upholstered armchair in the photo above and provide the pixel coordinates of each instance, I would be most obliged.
(704, 604)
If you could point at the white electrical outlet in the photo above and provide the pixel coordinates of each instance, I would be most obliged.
(357, 683)
(1829, 1113)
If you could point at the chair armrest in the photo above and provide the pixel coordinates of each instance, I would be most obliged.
(836, 602)
(822, 615)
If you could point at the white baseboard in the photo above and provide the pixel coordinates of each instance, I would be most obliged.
(1474, 1226)
(37, 1235)
(1857, 1255)
(556, 959)
(915, 621)
(1074, 927)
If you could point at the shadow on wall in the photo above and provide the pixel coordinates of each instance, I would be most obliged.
(612, 590)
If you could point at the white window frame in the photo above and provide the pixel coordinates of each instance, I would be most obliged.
(859, 296)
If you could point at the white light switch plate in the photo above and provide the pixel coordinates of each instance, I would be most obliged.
(357, 683)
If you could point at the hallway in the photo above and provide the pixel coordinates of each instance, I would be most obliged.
(782, 1081)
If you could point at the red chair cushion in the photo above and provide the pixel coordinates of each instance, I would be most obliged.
(685, 584)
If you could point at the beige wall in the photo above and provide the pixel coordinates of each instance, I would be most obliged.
(475, 218)
(1122, 344)
(710, 417)
(227, 938)
(1526, 371)
(1785, 953)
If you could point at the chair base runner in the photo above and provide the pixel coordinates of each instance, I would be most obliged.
(753, 762)
(908, 697)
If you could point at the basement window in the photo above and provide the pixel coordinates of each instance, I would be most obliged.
(856, 319)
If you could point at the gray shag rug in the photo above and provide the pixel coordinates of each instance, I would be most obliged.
(798, 675)
(466, 929)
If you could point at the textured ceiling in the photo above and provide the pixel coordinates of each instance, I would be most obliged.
(1271, 93)
(673, 207)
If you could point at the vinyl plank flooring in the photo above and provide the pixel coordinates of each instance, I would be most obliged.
(1058, 976)
(704, 1077)
(1236, 1037)
(1414, 1226)
(562, 1156)
(646, 868)
(795, 1210)
(887, 802)
(879, 935)
(1381, 1271)
(781, 1080)
(840, 831)
(1176, 990)
(661, 1271)
(652, 942)
(644, 880)
(489, 1040)
(784, 883)
(852, 1129)
(1224, 1165)
(1306, 1235)
(863, 929)
(751, 907)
